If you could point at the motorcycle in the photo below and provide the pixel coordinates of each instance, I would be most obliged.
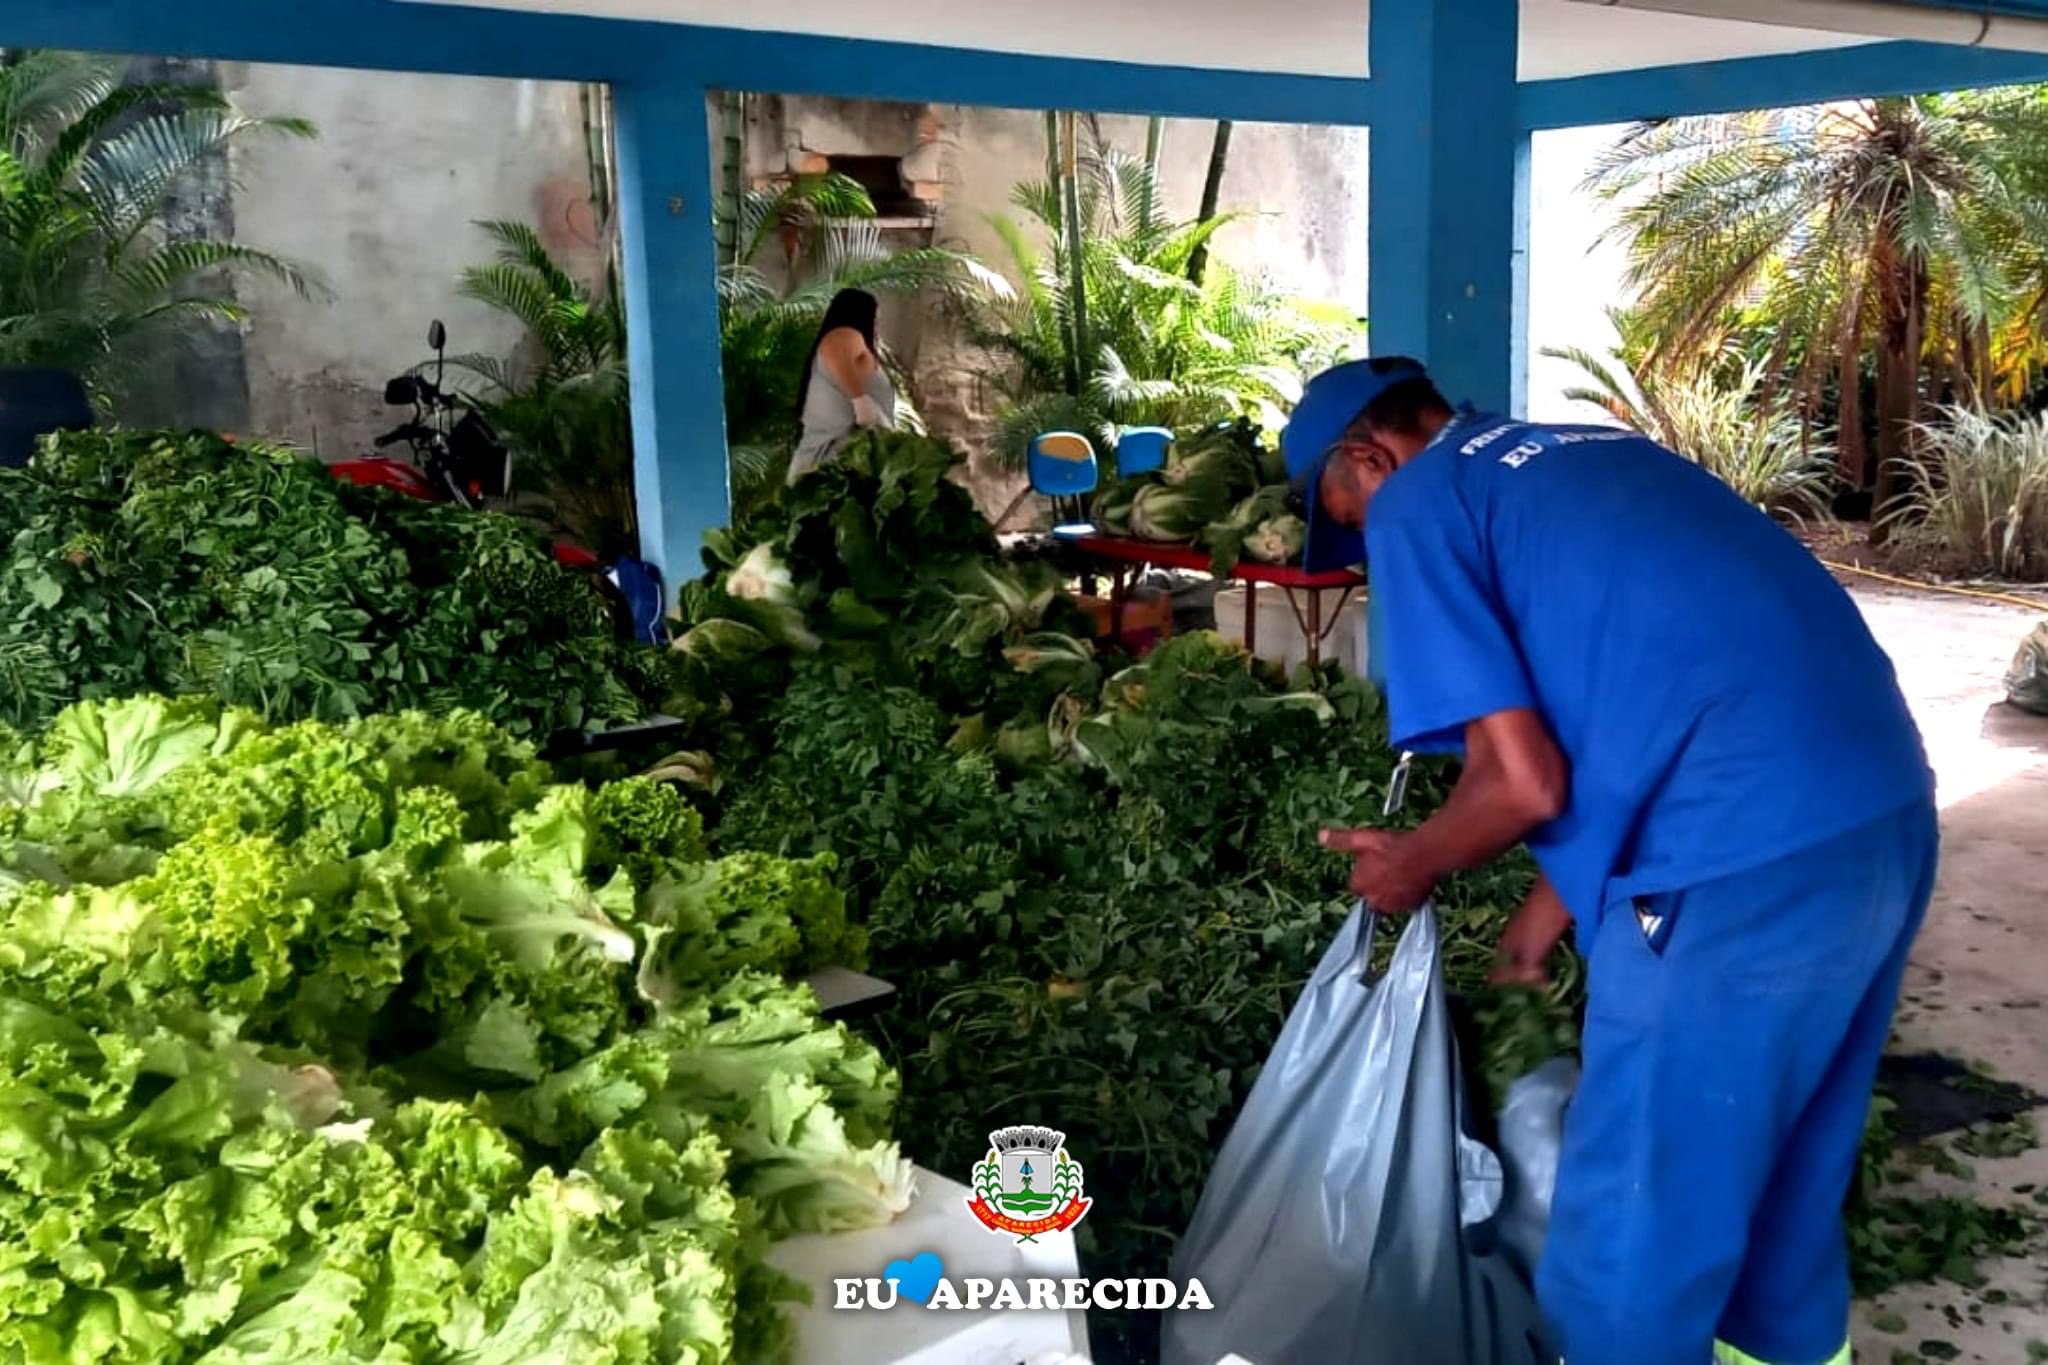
(457, 457)
(456, 454)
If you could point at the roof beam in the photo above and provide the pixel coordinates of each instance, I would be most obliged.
(1769, 82)
(861, 69)
(467, 41)
(346, 33)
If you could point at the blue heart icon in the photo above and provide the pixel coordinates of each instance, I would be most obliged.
(917, 1277)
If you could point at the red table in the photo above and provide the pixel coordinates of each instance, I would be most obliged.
(1123, 554)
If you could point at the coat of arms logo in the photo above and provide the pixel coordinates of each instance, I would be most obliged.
(1028, 1184)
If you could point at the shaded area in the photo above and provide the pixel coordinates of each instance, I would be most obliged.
(1936, 1094)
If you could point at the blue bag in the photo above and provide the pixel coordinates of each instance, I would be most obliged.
(640, 584)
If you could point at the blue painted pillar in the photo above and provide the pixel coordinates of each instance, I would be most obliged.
(1448, 213)
(671, 291)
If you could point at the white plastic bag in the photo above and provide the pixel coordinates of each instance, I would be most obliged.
(1349, 1219)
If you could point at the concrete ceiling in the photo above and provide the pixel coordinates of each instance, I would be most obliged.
(1310, 37)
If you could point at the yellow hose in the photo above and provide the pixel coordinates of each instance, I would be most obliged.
(2029, 603)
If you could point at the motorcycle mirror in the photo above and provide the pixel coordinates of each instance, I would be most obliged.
(437, 335)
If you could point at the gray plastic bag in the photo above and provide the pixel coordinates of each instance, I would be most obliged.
(1531, 1138)
(1349, 1218)
(2026, 682)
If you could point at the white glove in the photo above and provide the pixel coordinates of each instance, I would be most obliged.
(867, 413)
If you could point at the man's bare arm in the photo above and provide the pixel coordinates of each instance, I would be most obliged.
(1515, 779)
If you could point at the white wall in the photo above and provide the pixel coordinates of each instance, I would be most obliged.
(1574, 277)
(382, 205)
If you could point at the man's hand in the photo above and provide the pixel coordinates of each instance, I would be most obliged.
(1531, 937)
(1385, 873)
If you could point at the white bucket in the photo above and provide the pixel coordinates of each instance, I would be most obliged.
(1280, 636)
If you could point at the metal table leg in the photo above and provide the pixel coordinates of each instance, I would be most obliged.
(1315, 626)
(1251, 617)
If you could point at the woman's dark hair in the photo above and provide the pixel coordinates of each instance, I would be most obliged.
(853, 308)
(1401, 406)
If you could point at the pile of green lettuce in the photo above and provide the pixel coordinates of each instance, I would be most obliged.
(372, 1042)
(181, 563)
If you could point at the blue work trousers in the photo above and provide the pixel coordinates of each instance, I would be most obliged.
(1732, 1037)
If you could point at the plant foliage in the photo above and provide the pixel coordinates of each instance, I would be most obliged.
(797, 244)
(89, 276)
(1749, 437)
(182, 564)
(1901, 229)
(567, 414)
(1979, 488)
(370, 1043)
(1160, 349)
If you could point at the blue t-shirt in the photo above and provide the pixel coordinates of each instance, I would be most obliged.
(1718, 696)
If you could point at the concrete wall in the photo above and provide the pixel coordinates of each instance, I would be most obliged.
(382, 206)
(1301, 190)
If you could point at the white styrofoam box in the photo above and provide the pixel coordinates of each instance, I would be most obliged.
(910, 1334)
(1280, 636)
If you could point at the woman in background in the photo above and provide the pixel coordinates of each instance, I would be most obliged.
(844, 386)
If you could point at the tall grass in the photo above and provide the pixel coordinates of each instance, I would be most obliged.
(1751, 440)
(1978, 484)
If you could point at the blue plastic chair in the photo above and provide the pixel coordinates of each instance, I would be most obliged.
(1062, 467)
(1140, 450)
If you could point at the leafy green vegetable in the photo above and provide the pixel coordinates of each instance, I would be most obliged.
(879, 563)
(801, 1108)
(1229, 538)
(1278, 540)
(1898, 1238)
(745, 911)
(416, 905)
(185, 565)
(1221, 488)
(1178, 511)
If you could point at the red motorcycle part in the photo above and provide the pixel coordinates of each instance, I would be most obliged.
(378, 471)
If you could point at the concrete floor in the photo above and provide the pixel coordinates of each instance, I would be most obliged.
(1978, 987)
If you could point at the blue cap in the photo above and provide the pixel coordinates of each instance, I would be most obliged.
(1329, 404)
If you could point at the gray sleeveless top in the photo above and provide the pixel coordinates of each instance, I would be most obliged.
(828, 416)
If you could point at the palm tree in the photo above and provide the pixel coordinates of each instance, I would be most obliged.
(89, 279)
(1161, 348)
(1212, 191)
(568, 415)
(816, 234)
(1881, 228)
